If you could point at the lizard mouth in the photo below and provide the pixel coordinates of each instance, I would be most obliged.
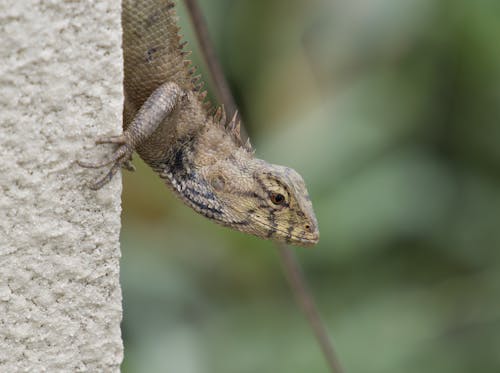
(310, 240)
(307, 239)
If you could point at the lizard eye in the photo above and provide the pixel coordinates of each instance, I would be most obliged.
(277, 198)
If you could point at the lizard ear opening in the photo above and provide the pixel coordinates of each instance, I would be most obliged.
(218, 182)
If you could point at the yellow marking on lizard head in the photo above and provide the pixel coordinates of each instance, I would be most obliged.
(263, 199)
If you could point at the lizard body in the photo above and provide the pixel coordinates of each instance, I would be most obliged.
(198, 155)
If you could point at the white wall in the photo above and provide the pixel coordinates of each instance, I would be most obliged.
(60, 86)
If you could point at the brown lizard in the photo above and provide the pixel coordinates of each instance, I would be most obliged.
(198, 154)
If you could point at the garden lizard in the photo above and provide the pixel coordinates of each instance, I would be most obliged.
(195, 150)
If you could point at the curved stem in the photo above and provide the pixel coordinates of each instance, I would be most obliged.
(291, 266)
(200, 26)
(305, 299)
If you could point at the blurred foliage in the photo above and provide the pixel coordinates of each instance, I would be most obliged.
(390, 109)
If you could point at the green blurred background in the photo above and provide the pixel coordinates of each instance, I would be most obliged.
(390, 109)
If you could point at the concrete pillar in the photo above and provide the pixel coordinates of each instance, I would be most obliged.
(60, 87)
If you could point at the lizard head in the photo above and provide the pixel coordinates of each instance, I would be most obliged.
(265, 200)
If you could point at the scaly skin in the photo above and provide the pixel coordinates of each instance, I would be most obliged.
(199, 156)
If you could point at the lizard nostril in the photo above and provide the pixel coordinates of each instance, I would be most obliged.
(308, 227)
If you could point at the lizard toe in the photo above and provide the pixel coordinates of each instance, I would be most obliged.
(120, 139)
(128, 165)
(121, 157)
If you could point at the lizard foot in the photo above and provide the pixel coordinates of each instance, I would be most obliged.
(121, 158)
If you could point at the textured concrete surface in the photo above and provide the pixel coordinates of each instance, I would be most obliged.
(60, 86)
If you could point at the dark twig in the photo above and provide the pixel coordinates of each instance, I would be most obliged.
(291, 266)
(200, 26)
(306, 302)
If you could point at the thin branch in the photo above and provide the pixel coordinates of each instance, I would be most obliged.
(200, 26)
(305, 299)
(291, 266)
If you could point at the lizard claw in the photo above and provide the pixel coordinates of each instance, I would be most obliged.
(128, 165)
(117, 155)
(100, 182)
(121, 157)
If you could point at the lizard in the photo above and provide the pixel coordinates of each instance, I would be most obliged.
(192, 146)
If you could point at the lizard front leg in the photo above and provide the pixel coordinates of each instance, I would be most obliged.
(152, 113)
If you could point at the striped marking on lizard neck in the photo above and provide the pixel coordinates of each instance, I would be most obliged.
(276, 206)
(180, 174)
